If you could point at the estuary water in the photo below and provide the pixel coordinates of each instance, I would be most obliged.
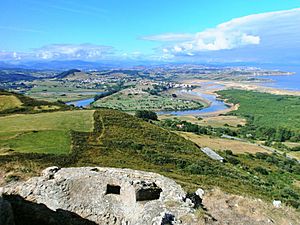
(291, 82)
(81, 103)
(215, 105)
(84, 102)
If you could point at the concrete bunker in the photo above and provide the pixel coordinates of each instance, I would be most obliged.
(136, 191)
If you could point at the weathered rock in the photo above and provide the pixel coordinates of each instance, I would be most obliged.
(49, 172)
(200, 193)
(108, 196)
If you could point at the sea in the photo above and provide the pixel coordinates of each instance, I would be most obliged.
(290, 82)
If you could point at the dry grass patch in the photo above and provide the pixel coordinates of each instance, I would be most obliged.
(218, 121)
(216, 143)
(214, 121)
(9, 102)
(295, 155)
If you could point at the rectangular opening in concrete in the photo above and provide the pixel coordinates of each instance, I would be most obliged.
(113, 189)
(148, 194)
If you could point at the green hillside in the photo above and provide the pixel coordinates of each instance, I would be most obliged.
(11, 102)
(121, 140)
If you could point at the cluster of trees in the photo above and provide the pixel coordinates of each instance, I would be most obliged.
(145, 114)
(156, 89)
(111, 90)
(190, 127)
(270, 133)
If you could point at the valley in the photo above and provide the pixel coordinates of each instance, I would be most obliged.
(259, 150)
(150, 112)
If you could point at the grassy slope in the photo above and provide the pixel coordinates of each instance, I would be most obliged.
(268, 110)
(80, 120)
(9, 102)
(52, 142)
(43, 132)
(17, 103)
(121, 140)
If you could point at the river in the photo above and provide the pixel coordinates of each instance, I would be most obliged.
(81, 103)
(215, 105)
(291, 82)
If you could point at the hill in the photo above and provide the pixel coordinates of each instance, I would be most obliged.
(13, 77)
(9, 102)
(124, 141)
(67, 73)
(17, 103)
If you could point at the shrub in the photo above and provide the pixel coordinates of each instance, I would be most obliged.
(194, 169)
(295, 149)
(261, 170)
(232, 160)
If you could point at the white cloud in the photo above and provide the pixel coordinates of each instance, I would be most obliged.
(62, 52)
(262, 32)
(71, 51)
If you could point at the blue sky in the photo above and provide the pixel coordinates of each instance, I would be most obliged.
(173, 30)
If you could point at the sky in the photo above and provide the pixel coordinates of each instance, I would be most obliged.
(158, 30)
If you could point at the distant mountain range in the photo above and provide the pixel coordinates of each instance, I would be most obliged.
(70, 64)
(57, 65)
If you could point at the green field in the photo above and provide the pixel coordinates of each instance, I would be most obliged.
(53, 90)
(127, 101)
(267, 110)
(43, 132)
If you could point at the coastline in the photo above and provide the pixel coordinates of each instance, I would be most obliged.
(212, 86)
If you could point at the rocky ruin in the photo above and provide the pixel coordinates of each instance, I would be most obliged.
(96, 196)
(110, 196)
